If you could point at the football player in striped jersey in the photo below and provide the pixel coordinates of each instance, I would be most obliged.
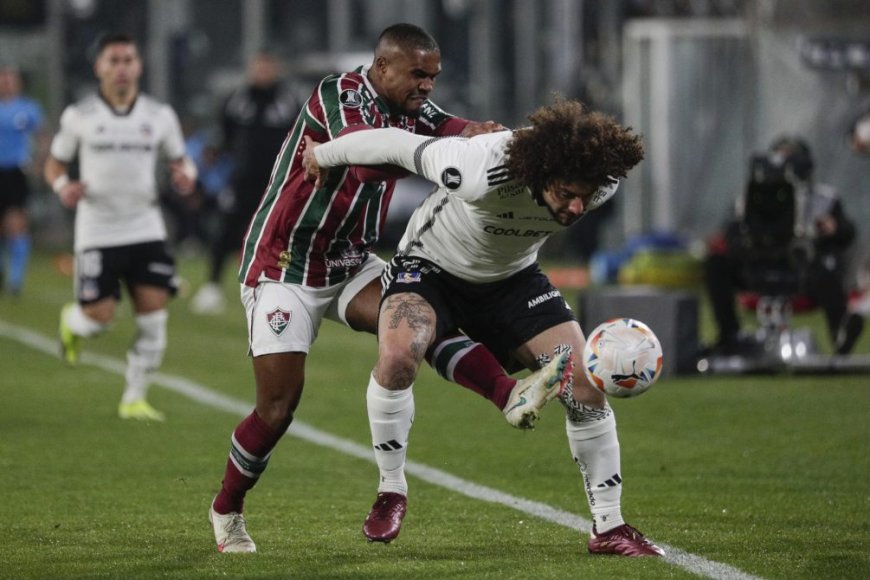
(308, 255)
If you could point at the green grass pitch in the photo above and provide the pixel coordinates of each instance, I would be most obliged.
(764, 476)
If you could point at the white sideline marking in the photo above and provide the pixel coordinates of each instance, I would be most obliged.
(201, 394)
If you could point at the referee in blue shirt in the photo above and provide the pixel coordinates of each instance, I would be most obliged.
(20, 118)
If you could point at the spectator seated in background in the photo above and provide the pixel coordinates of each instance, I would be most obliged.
(787, 239)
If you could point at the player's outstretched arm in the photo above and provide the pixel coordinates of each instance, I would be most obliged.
(373, 147)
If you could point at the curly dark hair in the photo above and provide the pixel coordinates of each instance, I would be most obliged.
(568, 143)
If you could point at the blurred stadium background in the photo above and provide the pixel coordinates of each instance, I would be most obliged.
(706, 81)
(767, 473)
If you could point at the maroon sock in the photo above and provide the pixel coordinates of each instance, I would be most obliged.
(252, 443)
(474, 367)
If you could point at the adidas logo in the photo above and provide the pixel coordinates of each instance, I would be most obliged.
(391, 445)
(497, 175)
(612, 482)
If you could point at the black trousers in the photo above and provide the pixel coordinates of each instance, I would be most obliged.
(233, 224)
(823, 283)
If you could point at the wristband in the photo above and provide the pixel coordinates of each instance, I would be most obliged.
(189, 169)
(58, 184)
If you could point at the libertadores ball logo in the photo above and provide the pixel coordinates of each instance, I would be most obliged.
(451, 178)
(278, 320)
(350, 98)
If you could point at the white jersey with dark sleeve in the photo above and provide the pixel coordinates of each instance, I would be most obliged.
(118, 156)
(479, 224)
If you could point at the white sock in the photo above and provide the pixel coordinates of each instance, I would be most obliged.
(391, 414)
(81, 324)
(595, 449)
(146, 354)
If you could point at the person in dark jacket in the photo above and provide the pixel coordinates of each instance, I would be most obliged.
(255, 118)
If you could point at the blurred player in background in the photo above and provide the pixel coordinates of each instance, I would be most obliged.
(20, 119)
(117, 135)
(308, 256)
(255, 119)
(468, 260)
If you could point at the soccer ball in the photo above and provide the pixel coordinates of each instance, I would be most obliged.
(623, 357)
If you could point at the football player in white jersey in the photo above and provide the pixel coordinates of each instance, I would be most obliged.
(469, 257)
(118, 135)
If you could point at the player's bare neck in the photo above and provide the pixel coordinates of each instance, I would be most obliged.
(120, 101)
(374, 79)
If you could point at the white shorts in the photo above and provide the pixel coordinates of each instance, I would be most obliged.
(286, 317)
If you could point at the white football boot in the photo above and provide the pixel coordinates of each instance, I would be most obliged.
(230, 532)
(530, 394)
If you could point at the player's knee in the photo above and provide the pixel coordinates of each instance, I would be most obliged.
(396, 368)
(277, 413)
(277, 400)
(102, 312)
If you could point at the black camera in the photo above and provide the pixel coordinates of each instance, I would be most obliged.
(769, 206)
(776, 253)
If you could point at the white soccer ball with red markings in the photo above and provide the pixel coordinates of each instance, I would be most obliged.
(623, 357)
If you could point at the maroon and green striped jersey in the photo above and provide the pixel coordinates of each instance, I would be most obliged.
(320, 237)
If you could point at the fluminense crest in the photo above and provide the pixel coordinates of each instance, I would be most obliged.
(278, 320)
